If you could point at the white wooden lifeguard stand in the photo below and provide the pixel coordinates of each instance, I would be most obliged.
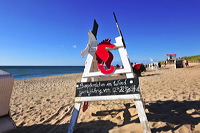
(91, 73)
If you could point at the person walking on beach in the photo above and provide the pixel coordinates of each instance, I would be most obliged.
(165, 63)
(186, 63)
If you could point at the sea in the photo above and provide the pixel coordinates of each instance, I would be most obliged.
(27, 72)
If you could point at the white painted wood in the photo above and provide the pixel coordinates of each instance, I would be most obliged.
(105, 98)
(88, 64)
(90, 74)
(74, 117)
(142, 116)
(119, 42)
(123, 54)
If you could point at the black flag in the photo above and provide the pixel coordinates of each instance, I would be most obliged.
(120, 32)
(95, 28)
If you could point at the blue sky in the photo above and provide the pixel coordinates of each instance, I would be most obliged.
(54, 32)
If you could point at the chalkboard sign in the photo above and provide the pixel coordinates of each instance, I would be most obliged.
(104, 88)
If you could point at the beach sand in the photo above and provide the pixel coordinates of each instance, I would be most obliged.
(171, 96)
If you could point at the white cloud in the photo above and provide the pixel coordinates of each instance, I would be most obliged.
(74, 46)
(151, 59)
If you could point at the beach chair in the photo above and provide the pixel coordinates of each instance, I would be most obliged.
(6, 86)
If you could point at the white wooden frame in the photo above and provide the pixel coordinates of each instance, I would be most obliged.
(88, 72)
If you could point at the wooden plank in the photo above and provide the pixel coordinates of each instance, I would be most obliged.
(105, 98)
(88, 64)
(142, 116)
(123, 54)
(91, 74)
(74, 117)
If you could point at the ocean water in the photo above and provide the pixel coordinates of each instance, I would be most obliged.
(26, 72)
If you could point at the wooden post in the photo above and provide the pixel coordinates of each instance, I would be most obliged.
(74, 117)
(141, 114)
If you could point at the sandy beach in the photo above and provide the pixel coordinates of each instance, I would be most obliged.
(171, 96)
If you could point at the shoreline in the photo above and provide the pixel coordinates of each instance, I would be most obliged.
(47, 76)
(27, 72)
(171, 97)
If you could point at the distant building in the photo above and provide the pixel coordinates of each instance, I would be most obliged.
(171, 58)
